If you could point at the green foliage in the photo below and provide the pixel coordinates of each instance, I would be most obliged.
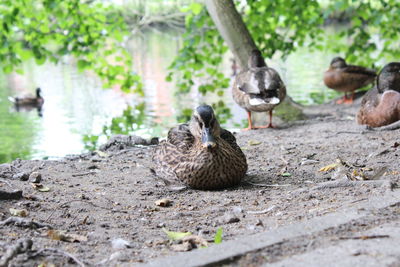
(199, 61)
(283, 25)
(374, 33)
(47, 30)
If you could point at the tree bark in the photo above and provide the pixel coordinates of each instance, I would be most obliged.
(232, 29)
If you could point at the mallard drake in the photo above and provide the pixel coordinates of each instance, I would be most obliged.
(200, 154)
(29, 101)
(258, 89)
(380, 106)
(347, 78)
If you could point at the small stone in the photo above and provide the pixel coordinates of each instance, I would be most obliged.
(92, 167)
(229, 218)
(22, 176)
(35, 177)
(120, 243)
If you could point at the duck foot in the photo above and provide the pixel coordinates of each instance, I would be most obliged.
(346, 100)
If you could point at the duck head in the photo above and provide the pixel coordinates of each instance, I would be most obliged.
(389, 78)
(38, 91)
(205, 126)
(256, 60)
(338, 63)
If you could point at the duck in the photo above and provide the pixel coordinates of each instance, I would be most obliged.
(347, 78)
(29, 101)
(200, 154)
(259, 88)
(380, 106)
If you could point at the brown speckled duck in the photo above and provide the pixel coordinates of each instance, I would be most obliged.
(347, 78)
(258, 89)
(200, 154)
(381, 105)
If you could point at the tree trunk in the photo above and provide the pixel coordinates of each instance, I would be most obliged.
(232, 29)
(235, 33)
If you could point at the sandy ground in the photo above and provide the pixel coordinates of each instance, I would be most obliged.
(92, 201)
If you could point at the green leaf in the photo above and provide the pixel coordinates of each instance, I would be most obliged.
(195, 8)
(176, 235)
(218, 236)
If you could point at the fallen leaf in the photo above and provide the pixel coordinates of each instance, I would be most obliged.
(286, 174)
(328, 167)
(254, 143)
(164, 202)
(176, 235)
(40, 187)
(19, 213)
(67, 237)
(101, 154)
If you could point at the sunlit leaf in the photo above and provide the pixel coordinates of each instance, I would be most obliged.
(176, 235)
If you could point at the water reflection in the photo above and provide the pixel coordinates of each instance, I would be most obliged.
(76, 105)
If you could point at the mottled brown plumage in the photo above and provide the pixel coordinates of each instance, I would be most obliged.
(347, 78)
(381, 105)
(200, 154)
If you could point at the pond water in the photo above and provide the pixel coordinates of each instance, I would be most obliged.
(77, 105)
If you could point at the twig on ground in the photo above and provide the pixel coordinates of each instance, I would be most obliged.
(62, 205)
(55, 250)
(4, 195)
(349, 183)
(390, 127)
(22, 246)
(82, 174)
(364, 237)
(268, 185)
(22, 222)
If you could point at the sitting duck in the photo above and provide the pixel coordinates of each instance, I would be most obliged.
(258, 89)
(347, 78)
(28, 101)
(381, 105)
(200, 154)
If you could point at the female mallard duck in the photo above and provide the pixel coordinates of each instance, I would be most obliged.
(29, 101)
(258, 89)
(381, 105)
(347, 78)
(201, 154)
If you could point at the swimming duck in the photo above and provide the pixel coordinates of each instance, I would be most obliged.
(258, 89)
(28, 101)
(380, 106)
(200, 154)
(347, 78)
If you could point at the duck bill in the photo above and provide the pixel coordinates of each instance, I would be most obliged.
(208, 139)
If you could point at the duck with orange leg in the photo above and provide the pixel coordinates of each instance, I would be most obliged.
(381, 105)
(258, 89)
(347, 78)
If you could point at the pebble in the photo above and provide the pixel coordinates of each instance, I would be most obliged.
(22, 176)
(35, 177)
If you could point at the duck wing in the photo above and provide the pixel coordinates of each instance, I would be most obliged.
(360, 70)
(231, 140)
(181, 137)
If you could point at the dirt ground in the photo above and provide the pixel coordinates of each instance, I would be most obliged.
(92, 201)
